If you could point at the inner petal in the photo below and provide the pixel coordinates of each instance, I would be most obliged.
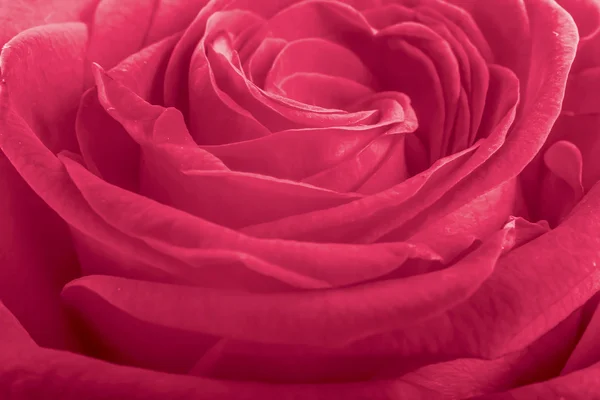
(323, 90)
(263, 58)
(319, 56)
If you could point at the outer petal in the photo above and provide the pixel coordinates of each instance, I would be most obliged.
(43, 68)
(36, 259)
(121, 28)
(534, 288)
(19, 15)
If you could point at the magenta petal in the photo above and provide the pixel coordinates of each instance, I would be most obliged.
(105, 146)
(352, 174)
(43, 69)
(536, 286)
(19, 15)
(477, 219)
(586, 14)
(180, 176)
(579, 385)
(329, 318)
(322, 90)
(121, 29)
(586, 353)
(263, 58)
(582, 96)
(318, 56)
(318, 18)
(30, 281)
(564, 160)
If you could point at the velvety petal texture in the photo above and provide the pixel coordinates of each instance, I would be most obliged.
(299, 199)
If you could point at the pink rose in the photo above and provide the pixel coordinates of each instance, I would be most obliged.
(259, 199)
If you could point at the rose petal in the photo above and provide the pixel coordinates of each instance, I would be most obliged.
(234, 199)
(586, 14)
(207, 123)
(120, 29)
(586, 352)
(390, 171)
(43, 68)
(582, 385)
(318, 56)
(350, 175)
(304, 262)
(329, 318)
(444, 73)
(559, 276)
(507, 43)
(106, 148)
(128, 256)
(351, 223)
(581, 96)
(474, 221)
(322, 90)
(466, 377)
(275, 112)
(178, 69)
(263, 58)
(30, 281)
(19, 15)
(318, 18)
(540, 109)
(564, 160)
(299, 153)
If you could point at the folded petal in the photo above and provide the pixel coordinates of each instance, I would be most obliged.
(318, 56)
(328, 318)
(322, 90)
(534, 287)
(105, 146)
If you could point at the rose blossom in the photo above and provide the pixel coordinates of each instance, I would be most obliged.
(258, 199)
